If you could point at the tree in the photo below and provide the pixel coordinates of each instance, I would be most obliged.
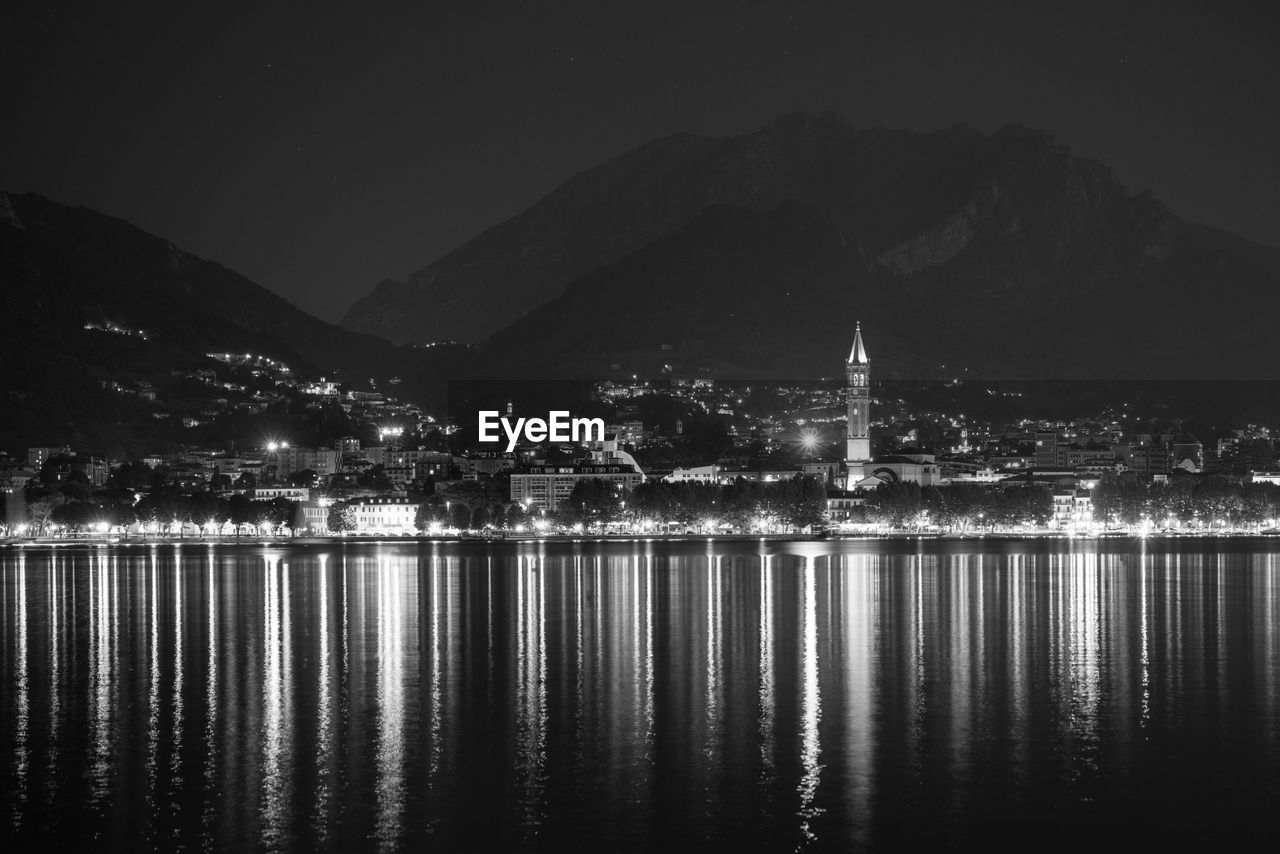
(592, 502)
(204, 508)
(40, 511)
(74, 515)
(895, 504)
(240, 510)
(514, 517)
(807, 501)
(430, 512)
(76, 487)
(283, 513)
(342, 518)
(374, 477)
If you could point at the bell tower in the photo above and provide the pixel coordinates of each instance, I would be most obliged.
(858, 400)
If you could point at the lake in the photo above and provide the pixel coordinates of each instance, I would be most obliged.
(639, 696)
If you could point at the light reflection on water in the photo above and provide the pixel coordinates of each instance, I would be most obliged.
(639, 696)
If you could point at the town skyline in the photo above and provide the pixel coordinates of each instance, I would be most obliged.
(733, 426)
(808, 463)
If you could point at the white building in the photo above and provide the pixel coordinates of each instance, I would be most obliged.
(292, 493)
(315, 518)
(698, 474)
(1072, 510)
(385, 515)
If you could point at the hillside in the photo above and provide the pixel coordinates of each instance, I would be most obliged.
(901, 200)
(776, 293)
(87, 298)
(1002, 253)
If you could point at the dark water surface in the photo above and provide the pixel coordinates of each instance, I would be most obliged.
(641, 696)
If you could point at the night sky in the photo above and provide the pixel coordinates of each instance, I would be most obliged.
(318, 151)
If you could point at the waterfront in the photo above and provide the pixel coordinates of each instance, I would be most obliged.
(641, 695)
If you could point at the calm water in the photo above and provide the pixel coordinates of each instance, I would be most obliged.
(641, 696)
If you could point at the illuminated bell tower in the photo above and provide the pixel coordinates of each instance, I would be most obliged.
(858, 432)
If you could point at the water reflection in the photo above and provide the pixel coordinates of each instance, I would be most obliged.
(393, 634)
(208, 811)
(811, 704)
(531, 692)
(277, 704)
(768, 688)
(857, 579)
(22, 699)
(637, 696)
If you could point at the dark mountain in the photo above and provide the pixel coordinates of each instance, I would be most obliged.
(107, 268)
(67, 273)
(775, 293)
(1000, 253)
(910, 196)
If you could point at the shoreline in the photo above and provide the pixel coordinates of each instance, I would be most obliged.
(98, 540)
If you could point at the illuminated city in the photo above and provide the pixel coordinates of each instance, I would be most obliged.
(714, 427)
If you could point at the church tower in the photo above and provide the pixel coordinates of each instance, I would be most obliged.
(858, 372)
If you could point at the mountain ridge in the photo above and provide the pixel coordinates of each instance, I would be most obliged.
(90, 303)
(903, 199)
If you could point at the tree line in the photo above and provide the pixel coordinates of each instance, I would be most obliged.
(162, 510)
(957, 507)
(743, 505)
(1128, 501)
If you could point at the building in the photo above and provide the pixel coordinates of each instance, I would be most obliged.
(322, 461)
(861, 471)
(1052, 453)
(902, 468)
(315, 518)
(1072, 509)
(546, 486)
(858, 402)
(37, 457)
(436, 465)
(844, 507)
(1145, 458)
(824, 471)
(385, 515)
(697, 474)
(478, 466)
(290, 493)
(760, 475)
(1047, 450)
(1188, 454)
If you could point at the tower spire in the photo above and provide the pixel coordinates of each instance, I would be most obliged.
(858, 355)
(858, 430)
